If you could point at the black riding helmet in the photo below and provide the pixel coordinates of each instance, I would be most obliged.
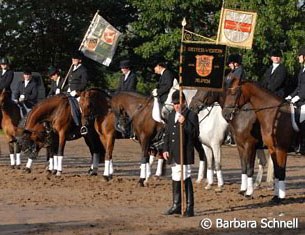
(234, 58)
(175, 97)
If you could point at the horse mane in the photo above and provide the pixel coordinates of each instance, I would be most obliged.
(106, 92)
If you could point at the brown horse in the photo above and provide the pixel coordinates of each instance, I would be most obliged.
(274, 117)
(92, 104)
(10, 119)
(139, 110)
(56, 112)
(245, 129)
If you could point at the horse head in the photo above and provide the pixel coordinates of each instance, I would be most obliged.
(93, 102)
(234, 99)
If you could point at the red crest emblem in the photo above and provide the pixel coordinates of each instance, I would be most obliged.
(204, 65)
(109, 36)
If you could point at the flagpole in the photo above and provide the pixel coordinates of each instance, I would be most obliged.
(220, 22)
(80, 47)
(183, 23)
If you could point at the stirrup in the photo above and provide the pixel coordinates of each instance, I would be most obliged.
(83, 130)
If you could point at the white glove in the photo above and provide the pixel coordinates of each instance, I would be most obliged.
(288, 98)
(295, 99)
(57, 91)
(73, 93)
(154, 92)
(21, 98)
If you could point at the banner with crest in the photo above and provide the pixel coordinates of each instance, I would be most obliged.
(100, 41)
(236, 28)
(203, 65)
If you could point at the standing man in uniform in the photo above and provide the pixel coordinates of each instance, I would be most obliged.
(171, 152)
(128, 81)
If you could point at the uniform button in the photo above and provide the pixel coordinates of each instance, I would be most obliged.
(173, 141)
(173, 133)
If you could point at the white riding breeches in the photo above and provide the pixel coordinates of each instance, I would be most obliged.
(176, 172)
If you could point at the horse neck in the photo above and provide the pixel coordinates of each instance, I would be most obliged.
(40, 113)
(264, 103)
(11, 110)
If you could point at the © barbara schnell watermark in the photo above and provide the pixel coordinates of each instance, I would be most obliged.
(268, 223)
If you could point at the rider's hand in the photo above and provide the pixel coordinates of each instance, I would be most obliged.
(295, 99)
(165, 155)
(57, 91)
(154, 92)
(21, 98)
(73, 93)
(288, 98)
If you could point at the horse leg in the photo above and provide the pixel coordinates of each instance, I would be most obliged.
(270, 173)
(260, 153)
(60, 153)
(12, 155)
(202, 160)
(210, 172)
(108, 142)
(279, 158)
(250, 163)
(217, 158)
(145, 170)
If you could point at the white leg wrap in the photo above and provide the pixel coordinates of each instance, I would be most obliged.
(143, 171)
(18, 159)
(55, 162)
(12, 159)
(210, 175)
(29, 163)
(259, 175)
(219, 178)
(282, 189)
(200, 171)
(59, 163)
(106, 169)
(244, 181)
(176, 172)
(51, 166)
(276, 187)
(249, 186)
(148, 171)
(91, 167)
(159, 167)
(151, 159)
(111, 167)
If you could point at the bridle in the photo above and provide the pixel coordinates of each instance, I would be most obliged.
(236, 92)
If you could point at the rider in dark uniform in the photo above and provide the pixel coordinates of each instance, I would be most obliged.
(128, 81)
(7, 75)
(56, 83)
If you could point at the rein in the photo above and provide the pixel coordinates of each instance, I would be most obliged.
(140, 108)
(209, 111)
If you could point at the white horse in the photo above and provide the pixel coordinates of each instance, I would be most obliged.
(212, 127)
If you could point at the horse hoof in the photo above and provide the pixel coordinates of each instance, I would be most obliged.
(27, 170)
(12, 167)
(58, 173)
(242, 192)
(248, 196)
(198, 181)
(146, 183)
(156, 178)
(105, 178)
(276, 200)
(219, 189)
(18, 167)
(141, 183)
(208, 187)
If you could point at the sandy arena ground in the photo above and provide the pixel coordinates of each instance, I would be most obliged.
(76, 203)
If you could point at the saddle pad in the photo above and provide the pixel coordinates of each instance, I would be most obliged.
(293, 122)
(302, 113)
(156, 115)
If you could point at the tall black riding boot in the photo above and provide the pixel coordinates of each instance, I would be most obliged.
(189, 197)
(176, 207)
(302, 138)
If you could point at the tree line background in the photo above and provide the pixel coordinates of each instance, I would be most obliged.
(38, 34)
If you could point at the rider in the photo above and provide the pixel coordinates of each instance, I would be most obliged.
(128, 81)
(77, 81)
(276, 75)
(7, 75)
(165, 82)
(27, 92)
(234, 62)
(56, 83)
(297, 97)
